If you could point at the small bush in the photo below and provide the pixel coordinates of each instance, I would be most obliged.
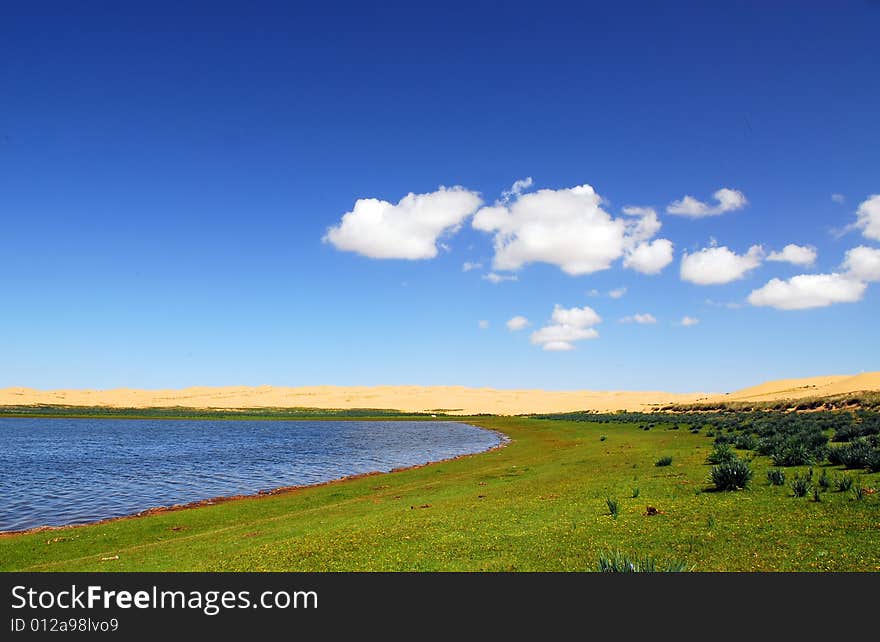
(613, 507)
(801, 486)
(824, 480)
(776, 476)
(817, 494)
(663, 461)
(720, 454)
(844, 483)
(603, 437)
(855, 454)
(792, 454)
(859, 493)
(746, 441)
(616, 562)
(636, 492)
(731, 474)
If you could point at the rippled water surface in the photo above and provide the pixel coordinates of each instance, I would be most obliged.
(71, 471)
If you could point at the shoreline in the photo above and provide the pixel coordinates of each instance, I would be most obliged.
(504, 441)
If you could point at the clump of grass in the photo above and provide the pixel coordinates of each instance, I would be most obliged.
(859, 493)
(844, 483)
(617, 562)
(613, 507)
(817, 494)
(721, 453)
(855, 454)
(603, 437)
(666, 460)
(824, 481)
(636, 492)
(732, 474)
(800, 486)
(776, 477)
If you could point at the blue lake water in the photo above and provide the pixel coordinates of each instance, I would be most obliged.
(71, 471)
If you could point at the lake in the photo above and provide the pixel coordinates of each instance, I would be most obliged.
(72, 471)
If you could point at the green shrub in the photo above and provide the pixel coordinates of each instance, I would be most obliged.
(843, 483)
(859, 493)
(731, 474)
(720, 454)
(616, 562)
(776, 476)
(663, 461)
(792, 454)
(613, 507)
(855, 454)
(817, 494)
(824, 480)
(636, 492)
(746, 441)
(801, 486)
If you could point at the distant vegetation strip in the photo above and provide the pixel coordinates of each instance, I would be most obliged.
(179, 412)
(867, 399)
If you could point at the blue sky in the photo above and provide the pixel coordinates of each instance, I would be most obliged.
(167, 176)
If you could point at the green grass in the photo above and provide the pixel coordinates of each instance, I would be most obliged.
(537, 505)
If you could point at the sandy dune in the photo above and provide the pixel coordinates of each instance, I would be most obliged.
(453, 399)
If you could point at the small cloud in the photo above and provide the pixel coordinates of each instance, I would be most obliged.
(687, 321)
(727, 201)
(795, 254)
(593, 292)
(567, 326)
(408, 229)
(617, 292)
(517, 323)
(869, 217)
(516, 189)
(862, 263)
(730, 305)
(807, 291)
(642, 319)
(840, 199)
(483, 324)
(467, 266)
(717, 265)
(492, 277)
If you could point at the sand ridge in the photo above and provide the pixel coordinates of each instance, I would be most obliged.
(449, 399)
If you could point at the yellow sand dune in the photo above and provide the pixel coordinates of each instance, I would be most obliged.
(450, 399)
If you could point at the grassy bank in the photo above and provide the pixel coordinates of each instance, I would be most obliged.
(538, 504)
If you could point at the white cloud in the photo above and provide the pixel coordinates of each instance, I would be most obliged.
(642, 319)
(492, 277)
(516, 189)
(869, 217)
(483, 324)
(838, 198)
(649, 257)
(795, 254)
(862, 263)
(730, 305)
(568, 325)
(808, 291)
(517, 323)
(617, 292)
(716, 265)
(593, 292)
(467, 266)
(408, 230)
(565, 227)
(687, 321)
(728, 200)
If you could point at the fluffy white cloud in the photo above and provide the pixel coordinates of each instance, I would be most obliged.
(492, 277)
(565, 227)
(728, 200)
(649, 257)
(808, 291)
(869, 217)
(642, 319)
(795, 254)
(467, 266)
(483, 324)
(517, 323)
(862, 263)
(567, 326)
(616, 293)
(838, 198)
(687, 321)
(408, 230)
(716, 265)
